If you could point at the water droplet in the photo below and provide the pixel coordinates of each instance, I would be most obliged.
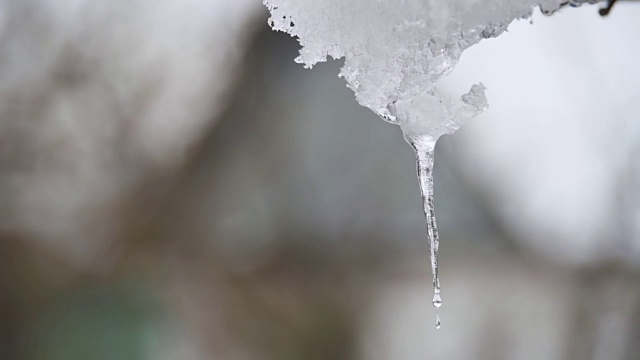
(437, 300)
(438, 322)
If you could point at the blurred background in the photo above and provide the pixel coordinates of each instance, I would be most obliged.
(174, 186)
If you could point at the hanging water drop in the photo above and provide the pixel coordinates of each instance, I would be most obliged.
(437, 300)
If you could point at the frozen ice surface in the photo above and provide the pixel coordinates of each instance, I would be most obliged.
(396, 50)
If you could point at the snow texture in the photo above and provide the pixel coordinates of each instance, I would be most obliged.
(396, 50)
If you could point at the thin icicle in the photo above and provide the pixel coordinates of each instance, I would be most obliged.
(425, 160)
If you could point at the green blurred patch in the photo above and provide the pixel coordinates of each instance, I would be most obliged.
(120, 322)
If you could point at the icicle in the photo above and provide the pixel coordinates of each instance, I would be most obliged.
(424, 148)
